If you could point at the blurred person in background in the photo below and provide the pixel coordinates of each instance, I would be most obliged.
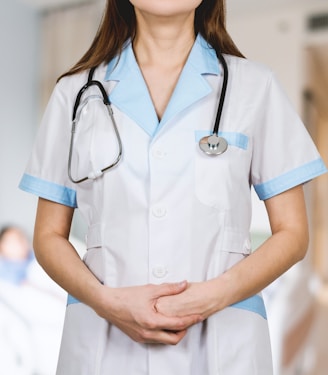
(31, 309)
(16, 255)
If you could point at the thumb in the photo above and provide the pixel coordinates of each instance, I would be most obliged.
(170, 289)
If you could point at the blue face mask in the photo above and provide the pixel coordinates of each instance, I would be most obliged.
(15, 272)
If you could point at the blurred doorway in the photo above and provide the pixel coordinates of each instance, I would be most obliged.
(316, 119)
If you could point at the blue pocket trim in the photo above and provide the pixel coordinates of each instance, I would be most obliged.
(254, 304)
(234, 139)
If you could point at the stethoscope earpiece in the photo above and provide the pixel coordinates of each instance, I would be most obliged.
(213, 145)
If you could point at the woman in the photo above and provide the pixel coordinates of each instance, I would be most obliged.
(169, 284)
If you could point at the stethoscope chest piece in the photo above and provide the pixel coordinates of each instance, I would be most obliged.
(213, 145)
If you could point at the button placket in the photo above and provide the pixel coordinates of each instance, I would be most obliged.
(158, 210)
(159, 153)
(160, 271)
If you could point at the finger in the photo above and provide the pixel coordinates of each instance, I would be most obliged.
(173, 338)
(170, 289)
(177, 324)
(165, 337)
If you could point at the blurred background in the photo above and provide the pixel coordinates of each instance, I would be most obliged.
(39, 40)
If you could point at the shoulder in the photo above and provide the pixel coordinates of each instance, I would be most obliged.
(250, 81)
(71, 85)
(243, 69)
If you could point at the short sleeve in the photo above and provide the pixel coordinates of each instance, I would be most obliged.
(284, 154)
(46, 172)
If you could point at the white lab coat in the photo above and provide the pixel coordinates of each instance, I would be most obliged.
(168, 212)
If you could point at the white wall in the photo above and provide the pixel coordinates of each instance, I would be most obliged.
(19, 43)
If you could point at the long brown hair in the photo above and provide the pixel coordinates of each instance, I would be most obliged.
(119, 24)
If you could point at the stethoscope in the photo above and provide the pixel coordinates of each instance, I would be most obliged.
(77, 110)
(212, 145)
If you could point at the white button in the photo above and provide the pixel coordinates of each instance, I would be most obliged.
(158, 153)
(159, 211)
(160, 271)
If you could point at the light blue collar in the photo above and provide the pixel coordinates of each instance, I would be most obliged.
(131, 95)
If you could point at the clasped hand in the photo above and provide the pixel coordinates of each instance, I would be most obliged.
(158, 314)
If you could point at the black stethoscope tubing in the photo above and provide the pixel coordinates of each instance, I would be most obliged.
(223, 93)
(211, 145)
(107, 103)
(90, 82)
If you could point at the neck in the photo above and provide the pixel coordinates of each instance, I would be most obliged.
(163, 41)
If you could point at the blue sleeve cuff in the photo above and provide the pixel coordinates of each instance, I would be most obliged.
(48, 190)
(290, 179)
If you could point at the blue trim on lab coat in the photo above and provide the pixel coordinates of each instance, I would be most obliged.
(131, 95)
(290, 179)
(254, 304)
(234, 139)
(48, 190)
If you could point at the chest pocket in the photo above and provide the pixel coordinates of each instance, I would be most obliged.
(219, 177)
